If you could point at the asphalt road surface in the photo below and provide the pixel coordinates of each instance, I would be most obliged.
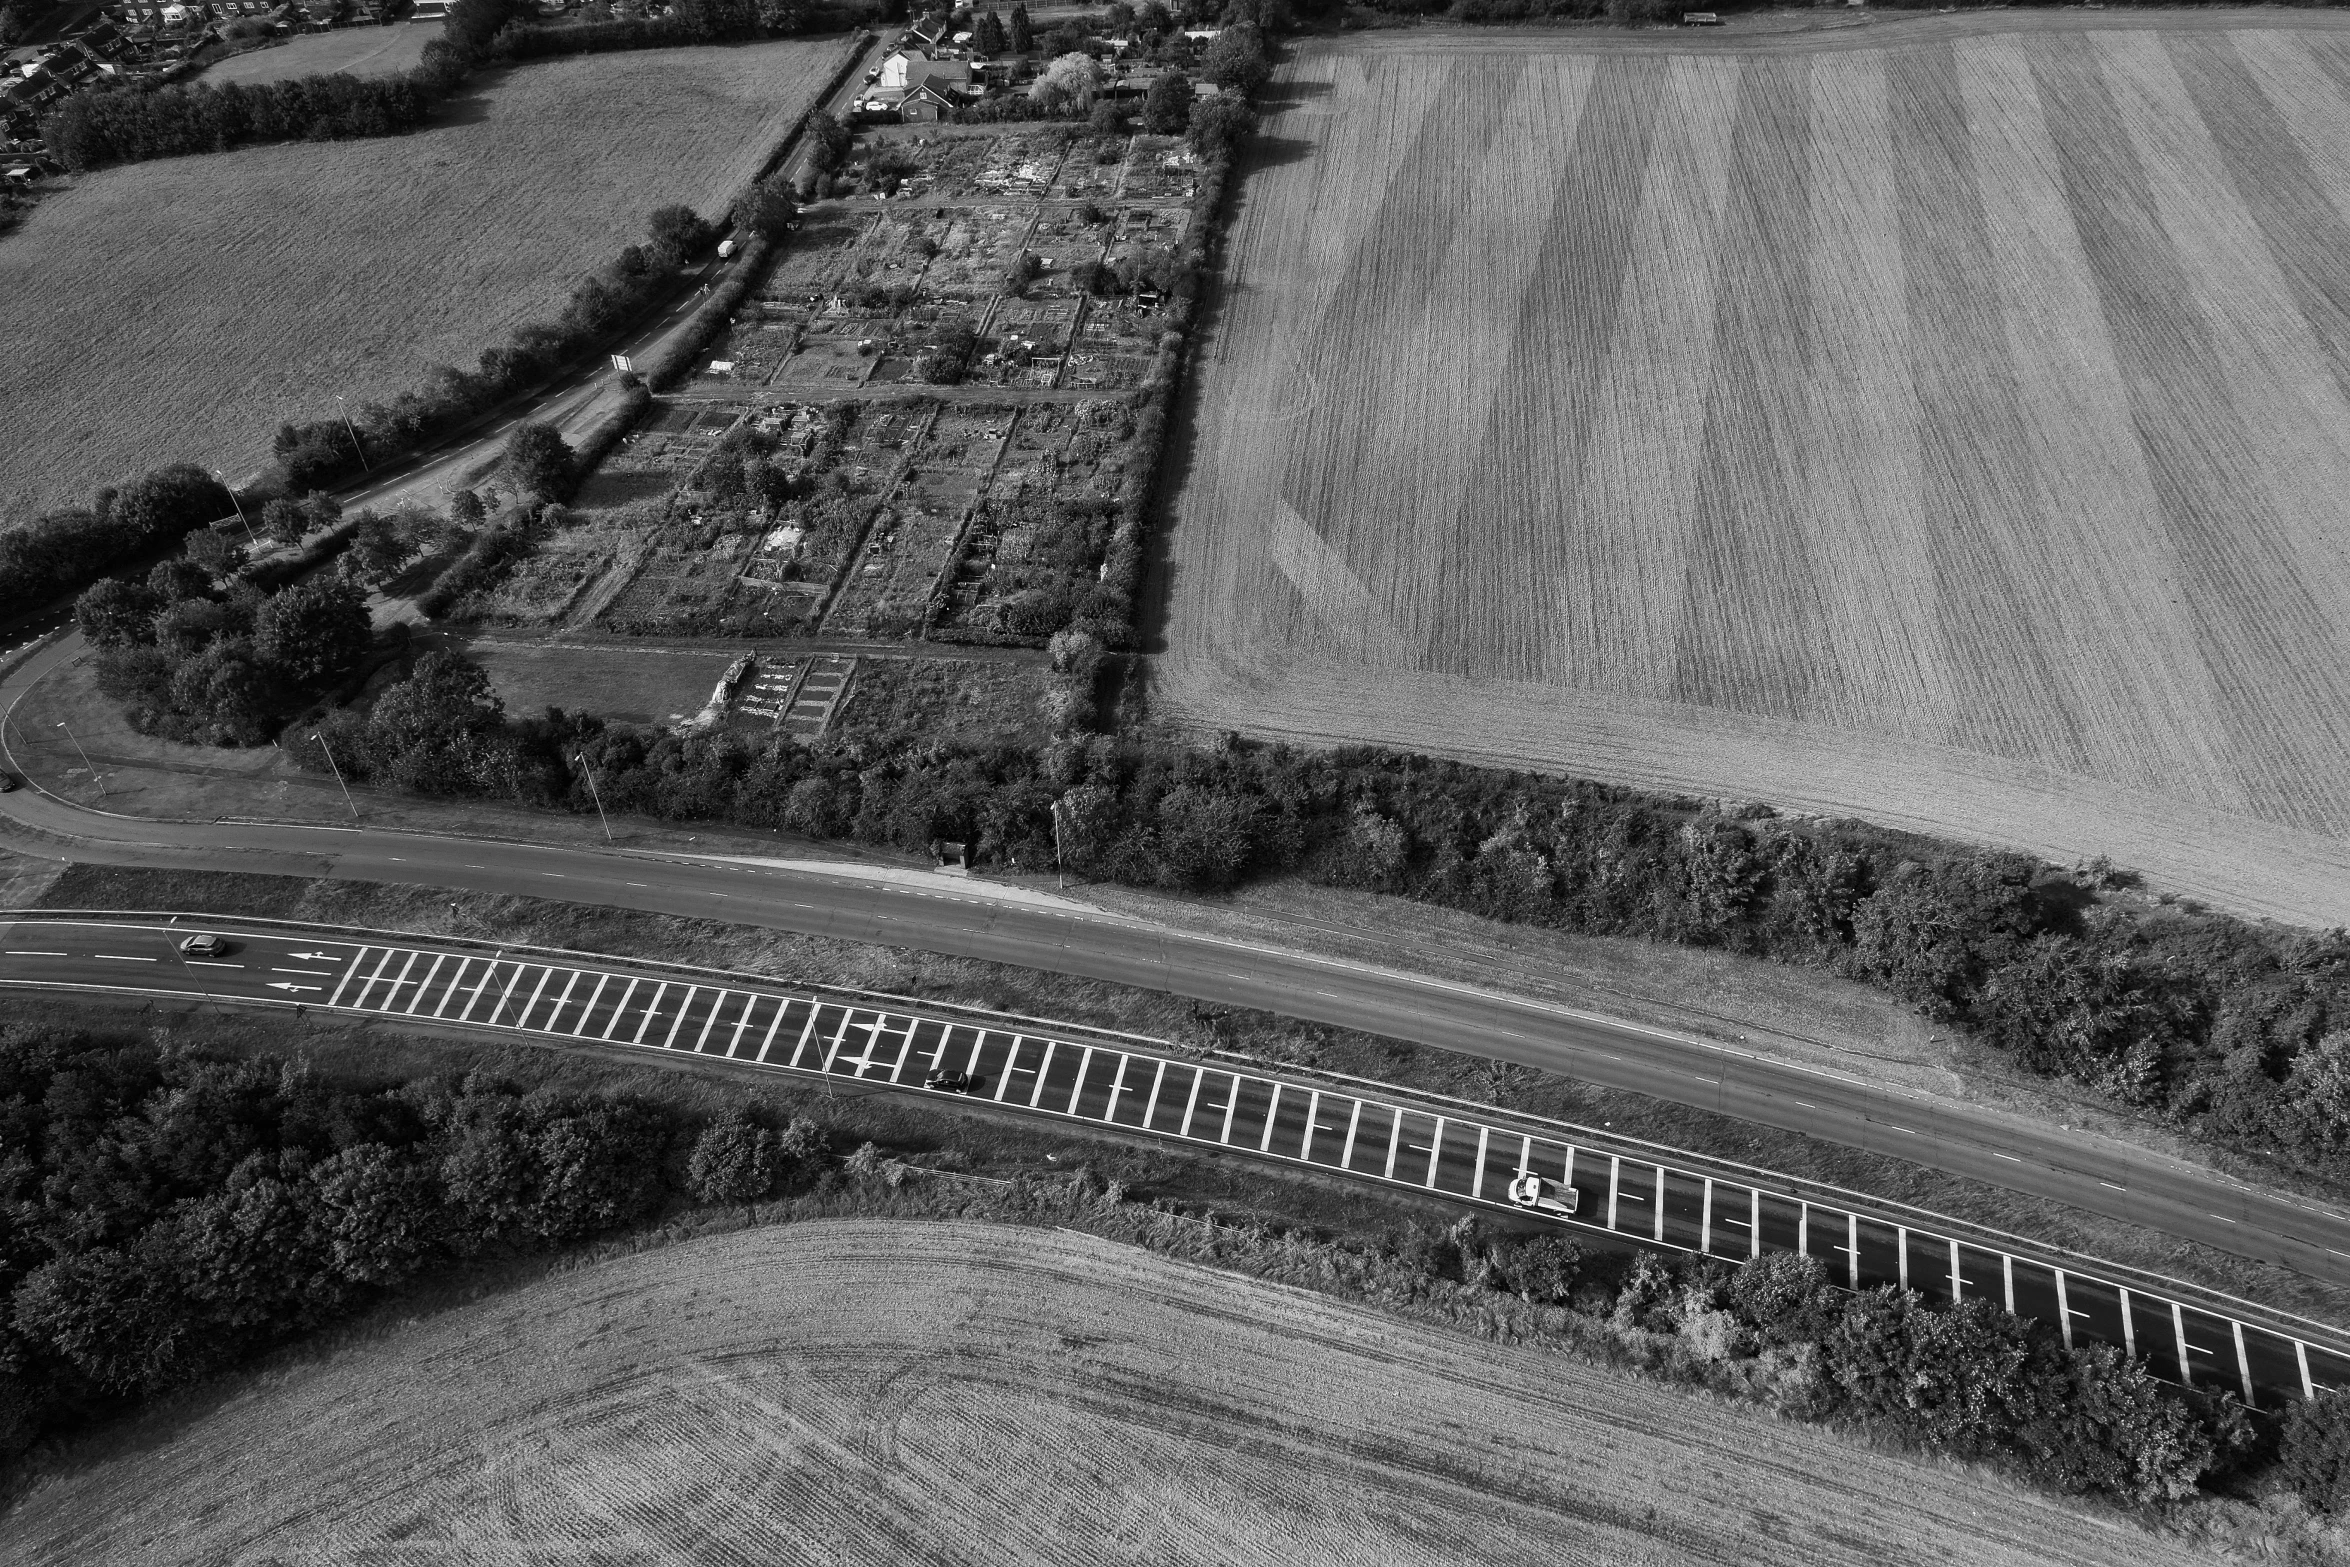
(2085, 1172)
(1580, 1180)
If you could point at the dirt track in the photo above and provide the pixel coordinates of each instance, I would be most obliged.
(861, 1392)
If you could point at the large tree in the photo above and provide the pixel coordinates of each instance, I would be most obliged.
(314, 631)
(540, 461)
(1166, 109)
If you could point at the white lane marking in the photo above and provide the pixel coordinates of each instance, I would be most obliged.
(2108, 1185)
(201, 963)
(523, 1019)
(314, 973)
(117, 957)
(424, 985)
(456, 983)
(589, 1010)
(358, 955)
(632, 884)
(28, 953)
(686, 1006)
(619, 1010)
(2010, 1158)
(561, 1002)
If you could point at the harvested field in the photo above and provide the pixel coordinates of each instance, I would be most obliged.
(362, 51)
(245, 288)
(1950, 433)
(864, 1392)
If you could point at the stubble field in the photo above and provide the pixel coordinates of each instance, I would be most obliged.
(178, 310)
(1952, 432)
(853, 1392)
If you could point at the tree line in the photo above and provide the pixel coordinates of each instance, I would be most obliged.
(1969, 1379)
(60, 550)
(2235, 1031)
(165, 1214)
(199, 654)
(95, 128)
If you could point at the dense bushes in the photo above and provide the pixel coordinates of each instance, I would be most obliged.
(1970, 1380)
(59, 552)
(163, 1214)
(2240, 1032)
(202, 655)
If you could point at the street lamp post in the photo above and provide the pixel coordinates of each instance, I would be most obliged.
(239, 505)
(580, 758)
(86, 762)
(356, 444)
(338, 767)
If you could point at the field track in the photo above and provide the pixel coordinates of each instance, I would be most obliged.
(854, 1392)
(1945, 422)
(178, 310)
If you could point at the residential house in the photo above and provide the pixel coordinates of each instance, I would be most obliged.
(927, 105)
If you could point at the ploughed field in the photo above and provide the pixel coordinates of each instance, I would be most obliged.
(1954, 432)
(854, 1392)
(179, 310)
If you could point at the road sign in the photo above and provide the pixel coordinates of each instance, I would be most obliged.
(623, 362)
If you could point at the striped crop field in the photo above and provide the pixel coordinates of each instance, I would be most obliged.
(868, 1394)
(1946, 422)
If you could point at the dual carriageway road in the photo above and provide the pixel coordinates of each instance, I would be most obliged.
(1467, 1154)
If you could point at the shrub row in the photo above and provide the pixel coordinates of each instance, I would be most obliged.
(168, 1215)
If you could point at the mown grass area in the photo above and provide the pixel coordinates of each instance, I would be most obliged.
(179, 310)
(820, 960)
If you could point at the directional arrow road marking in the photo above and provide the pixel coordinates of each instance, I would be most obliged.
(315, 956)
(287, 984)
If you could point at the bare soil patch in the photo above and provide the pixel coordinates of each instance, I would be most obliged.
(864, 1392)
